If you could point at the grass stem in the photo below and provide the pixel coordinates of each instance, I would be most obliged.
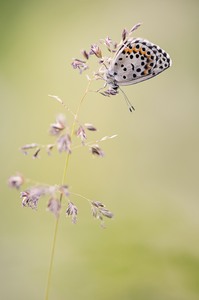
(49, 276)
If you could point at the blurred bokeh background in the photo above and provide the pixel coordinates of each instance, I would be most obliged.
(148, 177)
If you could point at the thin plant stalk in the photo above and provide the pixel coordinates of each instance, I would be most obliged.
(49, 276)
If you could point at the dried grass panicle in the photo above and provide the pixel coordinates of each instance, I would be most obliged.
(81, 133)
(110, 44)
(30, 198)
(16, 181)
(28, 147)
(90, 127)
(32, 194)
(72, 211)
(58, 195)
(64, 189)
(99, 211)
(96, 150)
(64, 143)
(85, 54)
(135, 27)
(49, 148)
(58, 126)
(95, 49)
(25, 148)
(79, 65)
(36, 154)
(54, 206)
(124, 34)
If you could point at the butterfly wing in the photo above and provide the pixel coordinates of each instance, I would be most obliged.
(138, 60)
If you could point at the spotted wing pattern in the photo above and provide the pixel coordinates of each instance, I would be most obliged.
(138, 60)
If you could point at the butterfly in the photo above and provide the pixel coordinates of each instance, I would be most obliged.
(135, 61)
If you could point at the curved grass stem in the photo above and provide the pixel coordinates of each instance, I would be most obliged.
(49, 276)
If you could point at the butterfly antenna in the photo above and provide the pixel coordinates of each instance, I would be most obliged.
(130, 106)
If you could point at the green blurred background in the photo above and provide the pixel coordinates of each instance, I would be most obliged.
(148, 178)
